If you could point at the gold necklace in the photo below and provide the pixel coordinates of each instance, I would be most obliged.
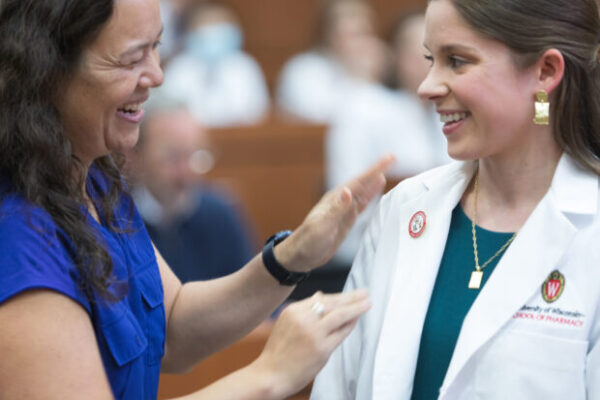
(477, 275)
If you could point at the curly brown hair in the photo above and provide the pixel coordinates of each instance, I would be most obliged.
(41, 44)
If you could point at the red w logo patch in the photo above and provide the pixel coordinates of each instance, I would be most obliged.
(553, 286)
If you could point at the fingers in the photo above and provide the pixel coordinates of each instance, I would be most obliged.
(373, 174)
(366, 186)
(340, 313)
(337, 310)
(326, 225)
(332, 301)
(308, 335)
(336, 337)
(344, 314)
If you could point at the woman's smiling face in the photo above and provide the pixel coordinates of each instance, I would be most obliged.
(484, 99)
(102, 104)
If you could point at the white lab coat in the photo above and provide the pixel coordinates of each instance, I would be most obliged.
(499, 354)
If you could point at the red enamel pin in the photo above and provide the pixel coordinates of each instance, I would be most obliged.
(417, 224)
(553, 286)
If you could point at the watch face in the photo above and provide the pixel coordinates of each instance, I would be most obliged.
(279, 236)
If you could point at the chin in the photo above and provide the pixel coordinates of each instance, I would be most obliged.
(463, 154)
(127, 142)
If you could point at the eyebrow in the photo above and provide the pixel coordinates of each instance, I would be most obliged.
(451, 48)
(142, 46)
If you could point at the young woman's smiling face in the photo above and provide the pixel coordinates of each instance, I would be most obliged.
(102, 104)
(484, 99)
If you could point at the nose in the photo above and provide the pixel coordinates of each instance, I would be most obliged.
(432, 87)
(153, 76)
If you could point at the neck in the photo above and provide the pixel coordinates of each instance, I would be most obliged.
(88, 201)
(511, 187)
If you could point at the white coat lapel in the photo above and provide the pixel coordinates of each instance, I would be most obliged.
(535, 252)
(416, 267)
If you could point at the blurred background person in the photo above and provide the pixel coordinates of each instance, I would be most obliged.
(377, 120)
(197, 228)
(314, 84)
(222, 85)
(172, 14)
(410, 69)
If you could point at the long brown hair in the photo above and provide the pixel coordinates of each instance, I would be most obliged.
(529, 28)
(41, 44)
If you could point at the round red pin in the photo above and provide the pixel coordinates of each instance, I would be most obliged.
(417, 224)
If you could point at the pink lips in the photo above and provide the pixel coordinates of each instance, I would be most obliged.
(132, 117)
(450, 128)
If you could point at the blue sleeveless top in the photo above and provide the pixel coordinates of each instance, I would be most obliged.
(36, 254)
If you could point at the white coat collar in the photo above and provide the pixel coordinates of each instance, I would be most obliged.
(574, 189)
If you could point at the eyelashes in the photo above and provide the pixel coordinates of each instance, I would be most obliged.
(452, 61)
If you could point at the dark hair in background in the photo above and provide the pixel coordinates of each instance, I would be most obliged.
(393, 38)
(197, 8)
(530, 27)
(41, 45)
(331, 11)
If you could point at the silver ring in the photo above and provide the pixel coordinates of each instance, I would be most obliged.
(318, 308)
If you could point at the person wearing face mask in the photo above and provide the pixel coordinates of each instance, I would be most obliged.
(172, 13)
(221, 84)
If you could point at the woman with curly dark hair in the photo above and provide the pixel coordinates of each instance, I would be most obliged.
(88, 308)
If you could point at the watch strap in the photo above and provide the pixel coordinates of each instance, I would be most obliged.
(278, 271)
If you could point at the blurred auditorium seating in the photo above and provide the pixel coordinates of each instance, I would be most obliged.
(274, 168)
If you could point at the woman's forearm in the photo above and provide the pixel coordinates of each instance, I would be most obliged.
(208, 316)
(248, 383)
(300, 343)
(204, 317)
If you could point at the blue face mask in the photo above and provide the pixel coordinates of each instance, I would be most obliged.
(212, 43)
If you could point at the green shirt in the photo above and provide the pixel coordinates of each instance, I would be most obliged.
(451, 300)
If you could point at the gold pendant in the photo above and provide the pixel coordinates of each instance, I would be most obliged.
(475, 281)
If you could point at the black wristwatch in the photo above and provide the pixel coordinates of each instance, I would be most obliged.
(283, 276)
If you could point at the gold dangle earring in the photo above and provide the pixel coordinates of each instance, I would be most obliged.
(542, 108)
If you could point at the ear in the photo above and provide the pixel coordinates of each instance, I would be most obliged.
(550, 69)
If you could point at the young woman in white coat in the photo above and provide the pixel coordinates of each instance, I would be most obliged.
(485, 273)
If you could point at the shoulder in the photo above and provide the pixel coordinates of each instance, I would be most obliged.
(242, 69)
(368, 101)
(217, 202)
(34, 252)
(413, 189)
(308, 63)
(24, 225)
(241, 59)
(415, 186)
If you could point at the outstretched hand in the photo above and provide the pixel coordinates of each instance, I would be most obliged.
(327, 224)
(304, 337)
